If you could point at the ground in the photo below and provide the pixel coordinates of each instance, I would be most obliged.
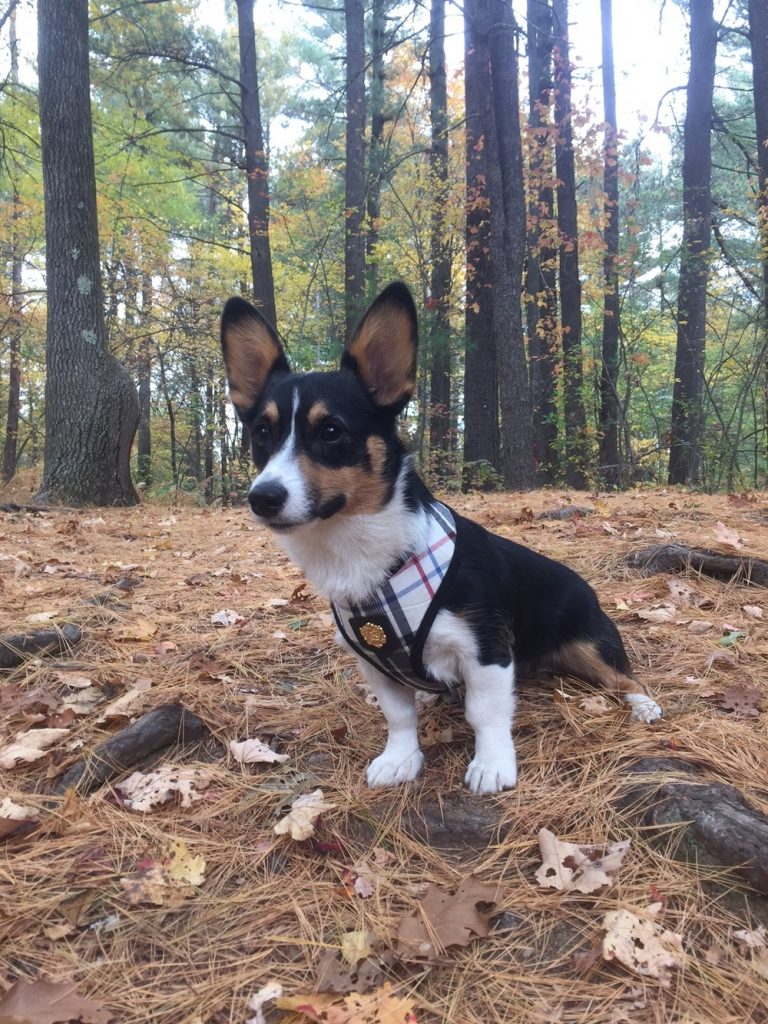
(154, 931)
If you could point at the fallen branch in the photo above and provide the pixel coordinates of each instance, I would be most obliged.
(165, 726)
(679, 558)
(717, 825)
(568, 512)
(17, 648)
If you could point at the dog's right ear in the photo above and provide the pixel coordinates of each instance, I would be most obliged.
(252, 351)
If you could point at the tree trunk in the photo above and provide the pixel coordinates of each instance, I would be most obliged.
(482, 438)
(144, 455)
(376, 148)
(210, 433)
(610, 467)
(541, 276)
(440, 277)
(688, 396)
(10, 446)
(576, 453)
(758, 37)
(255, 165)
(354, 171)
(91, 406)
(506, 192)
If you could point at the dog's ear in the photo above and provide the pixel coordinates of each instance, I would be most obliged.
(252, 351)
(382, 351)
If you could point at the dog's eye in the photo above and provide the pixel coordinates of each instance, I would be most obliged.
(262, 433)
(331, 432)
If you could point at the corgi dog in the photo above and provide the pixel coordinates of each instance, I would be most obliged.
(425, 598)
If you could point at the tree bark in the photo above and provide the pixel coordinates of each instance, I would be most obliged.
(610, 469)
(570, 285)
(758, 38)
(255, 165)
(541, 277)
(505, 180)
(10, 445)
(354, 172)
(440, 276)
(687, 423)
(482, 438)
(376, 148)
(144, 453)
(91, 406)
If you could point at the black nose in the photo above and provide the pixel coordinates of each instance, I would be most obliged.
(267, 499)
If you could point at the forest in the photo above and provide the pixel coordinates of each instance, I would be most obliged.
(591, 293)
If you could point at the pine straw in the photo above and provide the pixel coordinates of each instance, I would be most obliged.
(270, 906)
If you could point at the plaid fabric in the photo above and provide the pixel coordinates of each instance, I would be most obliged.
(384, 629)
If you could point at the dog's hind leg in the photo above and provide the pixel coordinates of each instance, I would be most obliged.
(583, 659)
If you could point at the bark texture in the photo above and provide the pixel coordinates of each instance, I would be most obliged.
(376, 148)
(354, 172)
(687, 424)
(570, 284)
(541, 266)
(92, 409)
(10, 445)
(679, 558)
(758, 38)
(255, 165)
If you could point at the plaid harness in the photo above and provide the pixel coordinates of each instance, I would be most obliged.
(389, 629)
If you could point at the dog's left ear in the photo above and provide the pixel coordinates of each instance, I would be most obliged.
(252, 352)
(383, 349)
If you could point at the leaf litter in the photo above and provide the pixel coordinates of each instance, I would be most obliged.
(265, 910)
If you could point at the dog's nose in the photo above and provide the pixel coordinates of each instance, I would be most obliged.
(267, 499)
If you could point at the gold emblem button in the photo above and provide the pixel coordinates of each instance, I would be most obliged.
(372, 635)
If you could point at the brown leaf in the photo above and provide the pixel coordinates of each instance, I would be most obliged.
(299, 823)
(728, 537)
(742, 699)
(142, 792)
(29, 746)
(172, 875)
(443, 919)
(49, 1002)
(641, 944)
(583, 868)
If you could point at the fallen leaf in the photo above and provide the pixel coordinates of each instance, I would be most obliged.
(41, 617)
(141, 629)
(253, 751)
(595, 704)
(82, 702)
(365, 976)
(727, 537)
(49, 1002)
(142, 792)
(379, 1007)
(445, 919)
(754, 611)
(299, 823)
(742, 699)
(14, 816)
(227, 617)
(684, 595)
(751, 939)
(270, 991)
(356, 946)
(699, 626)
(29, 746)
(665, 612)
(578, 867)
(162, 880)
(276, 602)
(430, 733)
(641, 944)
(74, 680)
(721, 658)
(623, 1009)
(123, 706)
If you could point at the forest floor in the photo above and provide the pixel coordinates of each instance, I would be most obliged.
(181, 913)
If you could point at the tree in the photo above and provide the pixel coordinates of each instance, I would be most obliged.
(758, 38)
(255, 165)
(376, 147)
(482, 438)
(354, 169)
(10, 447)
(91, 410)
(541, 254)
(440, 278)
(570, 283)
(610, 467)
(688, 395)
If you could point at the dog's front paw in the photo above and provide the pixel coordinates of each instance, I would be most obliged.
(491, 775)
(391, 770)
(643, 708)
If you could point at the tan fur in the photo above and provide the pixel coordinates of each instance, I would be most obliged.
(250, 352)
(270, 412)
(582, 660)
(316, 413)
(385, 351)
(365, 491)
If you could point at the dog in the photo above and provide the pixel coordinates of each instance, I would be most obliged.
(425, 598)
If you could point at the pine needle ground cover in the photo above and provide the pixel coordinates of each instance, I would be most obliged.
(168, 895)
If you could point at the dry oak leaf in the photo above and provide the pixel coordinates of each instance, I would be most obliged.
(29, 746)
(13, 816)
(379, 1007)
(227, 617)
(727, 537)
(683, 594)
(299, 822)
(577, 867)
(742, 699)
(49, 1002)
(641, 944)
(253, 751)
(664, 612)
(596, 705)
(123, 706)
(159, 881)
(754, 611)
(141, 629)
(142, 791)
(444, 919)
